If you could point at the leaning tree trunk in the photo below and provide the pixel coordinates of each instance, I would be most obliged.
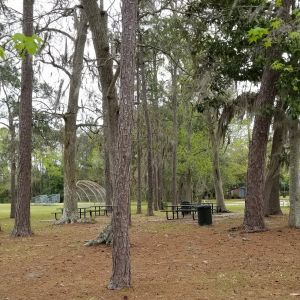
(149, 134)
(97, 18)
(22, 217)
(294, 215)
(254, 214)
(271, 187)
(121, 276)
(70, 196)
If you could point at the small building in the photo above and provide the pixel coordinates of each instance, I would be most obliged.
(239, 192)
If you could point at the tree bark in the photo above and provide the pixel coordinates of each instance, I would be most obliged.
(215, 138)
(254, 217)
(149, 133)
(254, 214)
(294, 215)
(70, 197)
(139, 148)
(271, 187)
(174, 138)
(97, 18)
(156, 132)
(22, 226)
(121, 275)
(13, 165)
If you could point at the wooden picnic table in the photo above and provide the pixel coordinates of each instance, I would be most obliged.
(82, 211)
(96, 210)
(184, 209)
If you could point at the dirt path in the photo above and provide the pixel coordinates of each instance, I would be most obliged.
(170, 260)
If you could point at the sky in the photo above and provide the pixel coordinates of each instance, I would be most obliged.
(50, 74)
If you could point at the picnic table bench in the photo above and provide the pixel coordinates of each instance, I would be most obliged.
(176, 211)
(97, 209)
(88, 211)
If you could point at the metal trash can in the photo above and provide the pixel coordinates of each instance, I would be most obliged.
(204, 215)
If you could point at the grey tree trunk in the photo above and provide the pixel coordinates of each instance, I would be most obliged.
(121, 275)
(217, 177)
(174, 138)
(22, 226)
(70, 197)
(13, 164)
(186, 189)
(271, 187)
(294, 215)
(215, 138)
(156, 133)
(149, 134)
(107, 173)
(97, 18)
(139, 148)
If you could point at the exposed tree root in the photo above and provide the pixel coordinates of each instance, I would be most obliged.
(66, 220)
(21, 233)
(247, 229)
(104, 238)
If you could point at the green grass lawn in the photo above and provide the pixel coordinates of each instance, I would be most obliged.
(41, 215)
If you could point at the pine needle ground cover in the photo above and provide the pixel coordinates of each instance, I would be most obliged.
(171, 260)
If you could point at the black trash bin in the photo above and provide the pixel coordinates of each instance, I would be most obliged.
(204, 215)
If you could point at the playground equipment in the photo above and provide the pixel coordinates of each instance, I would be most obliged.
(89, 191)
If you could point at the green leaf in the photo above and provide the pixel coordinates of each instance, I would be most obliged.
(278, 3)
(289, 68)
(257, 33)
(275, 24)
(26, 44)
(2, 53)
(277, 65)
(267, 42)
(294, 35)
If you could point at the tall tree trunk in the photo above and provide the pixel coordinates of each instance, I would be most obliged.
(271, 187)
(155, 185)
(121, 276)
(107, 173)
(254, 214)
(149, 134)
(186, 190)
(70, 196)
(215, 143)
(160, 176)
(217, 177)
(294, 215)
(139, 148)
(156, 133)
(174, 138)
(22, 217)
(13, 167)
(97, 18)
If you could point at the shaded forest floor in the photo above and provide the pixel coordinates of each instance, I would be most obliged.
(170, 260)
